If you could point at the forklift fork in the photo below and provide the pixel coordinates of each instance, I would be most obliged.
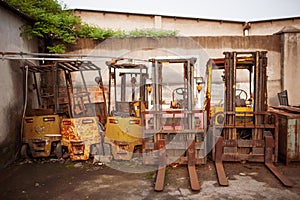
(192, 168)
(193, 177)
(161, 173)
(269, 164)
(219, 164)
(269, 142)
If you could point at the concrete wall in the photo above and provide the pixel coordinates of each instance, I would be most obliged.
(201, 47)
(197, 27)
(185, 26)
(11, 87)
(270, 27)
(116, 21)
(291, 66)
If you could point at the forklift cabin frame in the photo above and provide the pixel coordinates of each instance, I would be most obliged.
(81, 133)
(123, 128)
(41, 127)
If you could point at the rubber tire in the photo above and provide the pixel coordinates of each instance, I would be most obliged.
(25, 151)
(58, 150)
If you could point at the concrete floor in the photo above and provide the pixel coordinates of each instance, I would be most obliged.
(60, 179)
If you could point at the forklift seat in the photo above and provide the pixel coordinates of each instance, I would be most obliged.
(283, 98)
(124, 109)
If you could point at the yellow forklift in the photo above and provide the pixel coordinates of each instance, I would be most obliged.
(174, 125)
(41, 124)
(126, 101)
(83, 129)
(242, 127)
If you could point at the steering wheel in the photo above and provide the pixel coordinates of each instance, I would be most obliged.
(239, 92)
(180, 91)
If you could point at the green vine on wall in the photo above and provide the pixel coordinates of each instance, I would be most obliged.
(58, 26)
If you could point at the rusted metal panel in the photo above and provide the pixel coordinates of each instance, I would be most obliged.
(288, 137)
(79, 134)
(250, 143)
(258, 150)
(234, 157)
(291, 138)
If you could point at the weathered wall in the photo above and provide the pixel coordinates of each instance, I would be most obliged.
(201, 47)
(116, 21)
(11, 87)
(186, 26)
(269, 27)
(291, 66)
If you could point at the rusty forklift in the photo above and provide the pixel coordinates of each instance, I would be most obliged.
(70, 119)
(82, 130)
(174, 128)
(126, 101)
(41, 123)
(242, 128)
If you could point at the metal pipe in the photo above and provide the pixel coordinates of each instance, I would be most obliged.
(123, 87)
(68, 93)
(37, 89)
(80, 56)
(101, 86)
(115, 88)
(189, 93)
(25, 101)
(45, 59)
(56, 89)
(109, 89)
(234, 136)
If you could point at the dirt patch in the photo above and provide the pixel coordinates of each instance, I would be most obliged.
(59, 179)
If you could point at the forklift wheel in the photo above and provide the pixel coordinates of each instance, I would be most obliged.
(25, 151)
(58, 150)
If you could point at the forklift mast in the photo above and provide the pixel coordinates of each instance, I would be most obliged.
(248, 133)
(174, 135)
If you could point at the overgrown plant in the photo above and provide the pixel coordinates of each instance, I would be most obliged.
(58, 26)
(151, 33)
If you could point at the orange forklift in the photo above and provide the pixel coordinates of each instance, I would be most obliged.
(83, 130)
